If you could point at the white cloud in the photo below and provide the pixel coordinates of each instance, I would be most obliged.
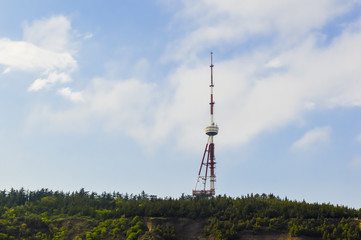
(313, 137)
(44, 50)
(52, 78)
(52, 33)
(287, 75)
(71, 95)
(125, 106)
(7, 70)
(252, 99)
(88, 36)
(309, 105)
(231, 21)
(24, 56)
(257, 92)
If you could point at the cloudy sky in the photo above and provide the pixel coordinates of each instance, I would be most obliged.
(114, 96)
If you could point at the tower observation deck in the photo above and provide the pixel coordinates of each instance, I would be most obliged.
(206, 171)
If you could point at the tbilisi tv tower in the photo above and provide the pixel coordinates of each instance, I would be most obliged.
(208, 166)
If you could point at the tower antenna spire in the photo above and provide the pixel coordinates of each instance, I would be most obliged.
(209, 164)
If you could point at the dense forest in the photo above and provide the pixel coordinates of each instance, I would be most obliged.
(46, 214)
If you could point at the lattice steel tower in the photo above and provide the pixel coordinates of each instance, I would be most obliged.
(208, 166)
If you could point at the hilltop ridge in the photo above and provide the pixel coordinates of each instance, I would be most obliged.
(45, 214)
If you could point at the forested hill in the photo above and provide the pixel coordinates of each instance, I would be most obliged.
(46, 214)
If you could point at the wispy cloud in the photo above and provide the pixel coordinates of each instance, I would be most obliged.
(52, 34)
(45, 50)
(233, 22)
(24, 56)
(313, 137)
(7, 70)
(51, 79)
(124, 105)
(71, 95)
(88, 36)
(292, 72)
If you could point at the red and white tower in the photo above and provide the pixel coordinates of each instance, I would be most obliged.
(206, 171)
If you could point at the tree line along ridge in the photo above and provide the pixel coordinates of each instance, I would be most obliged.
(46, 214)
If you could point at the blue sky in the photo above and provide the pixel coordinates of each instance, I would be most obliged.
(114, 97)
